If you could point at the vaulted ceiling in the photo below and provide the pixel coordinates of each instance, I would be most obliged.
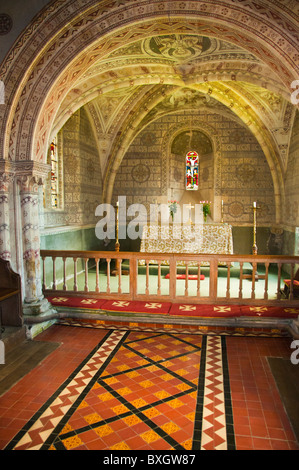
(143, 80)
(130, 62)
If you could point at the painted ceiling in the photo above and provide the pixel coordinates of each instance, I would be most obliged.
(143, 80)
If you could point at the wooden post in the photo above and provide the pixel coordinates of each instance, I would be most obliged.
(117, 269)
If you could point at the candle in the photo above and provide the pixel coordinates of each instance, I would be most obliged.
(116, 203)
(254, 204)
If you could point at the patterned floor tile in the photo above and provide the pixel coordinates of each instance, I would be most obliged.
(158, 391)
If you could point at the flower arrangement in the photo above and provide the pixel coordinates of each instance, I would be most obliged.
(172, 207)
(206, 209)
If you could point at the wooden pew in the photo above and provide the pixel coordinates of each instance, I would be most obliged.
(10, 296)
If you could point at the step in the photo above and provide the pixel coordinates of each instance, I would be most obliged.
(13, 336)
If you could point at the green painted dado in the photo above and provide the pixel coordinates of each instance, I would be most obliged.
(70, 239)
(243, 240)
(86, 239)
(81, 239)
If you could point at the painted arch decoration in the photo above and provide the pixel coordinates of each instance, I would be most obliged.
(35, 88)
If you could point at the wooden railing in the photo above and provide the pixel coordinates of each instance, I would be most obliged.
(246, 279)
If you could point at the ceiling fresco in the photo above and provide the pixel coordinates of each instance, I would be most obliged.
(145, 79)
(129, 63)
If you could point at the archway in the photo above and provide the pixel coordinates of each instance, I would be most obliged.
(68, 45)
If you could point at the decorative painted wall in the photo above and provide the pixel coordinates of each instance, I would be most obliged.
(81, 175)
(235, 59)
(236, 170)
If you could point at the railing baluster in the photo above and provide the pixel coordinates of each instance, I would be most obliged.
(228, 282)
(86, 288)
(213, 278)
(198, 280)
(119, 275)
(278, 281)
(97, 275)
(186, 280)
(64, 274)
(108, 275)
(54, 272)
(133, 278)
(75, 274)
(172, 277)
(159, 278)
(241, 281)
(253, 280)
(147, 278)
(266, 281)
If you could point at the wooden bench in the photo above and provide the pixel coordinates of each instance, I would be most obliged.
(10, 296)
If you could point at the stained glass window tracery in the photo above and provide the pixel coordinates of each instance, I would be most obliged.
(192, 171)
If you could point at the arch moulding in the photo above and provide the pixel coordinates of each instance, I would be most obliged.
(36, 84)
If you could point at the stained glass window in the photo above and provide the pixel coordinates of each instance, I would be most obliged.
(192, 171)
(54, 174)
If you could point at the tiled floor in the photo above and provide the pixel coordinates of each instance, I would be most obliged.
(126, 390)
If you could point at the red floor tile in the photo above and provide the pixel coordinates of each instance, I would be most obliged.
(151, 383)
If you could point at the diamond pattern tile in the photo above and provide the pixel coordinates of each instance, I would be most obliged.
(133, 390)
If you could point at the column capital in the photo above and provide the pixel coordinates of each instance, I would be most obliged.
(26, 173)
(29, 174)
(7, 175)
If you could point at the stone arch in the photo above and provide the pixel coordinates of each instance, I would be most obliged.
(211, 132)
(183, 126)
(37, 83)
(249, 118)
(67, 37)
(239, 25)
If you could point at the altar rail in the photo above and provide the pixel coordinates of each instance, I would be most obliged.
(246, 279)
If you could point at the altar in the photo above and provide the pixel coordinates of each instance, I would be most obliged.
(195, 239)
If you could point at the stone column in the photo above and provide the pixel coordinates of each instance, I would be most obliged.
(5, 247)
(34, 301)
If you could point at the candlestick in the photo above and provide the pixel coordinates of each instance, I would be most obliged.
(118, 269)
(254, 247)
(117, 224)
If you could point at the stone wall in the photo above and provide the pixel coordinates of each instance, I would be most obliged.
(81, 174)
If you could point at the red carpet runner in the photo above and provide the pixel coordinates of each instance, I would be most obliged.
(167, 308)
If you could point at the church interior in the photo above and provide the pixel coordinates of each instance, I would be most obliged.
(140, 338)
